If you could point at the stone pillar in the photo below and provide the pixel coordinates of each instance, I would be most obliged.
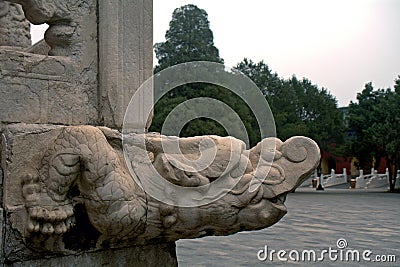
(126, 57)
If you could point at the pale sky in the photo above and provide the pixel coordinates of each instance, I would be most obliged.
(337, 44)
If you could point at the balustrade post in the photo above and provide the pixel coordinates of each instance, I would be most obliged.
(397, 182)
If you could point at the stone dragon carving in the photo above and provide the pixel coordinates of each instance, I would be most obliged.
(86, 165)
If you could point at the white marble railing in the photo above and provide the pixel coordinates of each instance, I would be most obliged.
(328, 180)
(369, 181)
(334, 179)
(373, 180)
(397, 182)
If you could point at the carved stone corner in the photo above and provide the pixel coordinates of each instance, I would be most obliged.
(72, 24)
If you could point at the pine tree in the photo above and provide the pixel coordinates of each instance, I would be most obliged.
(189, 38)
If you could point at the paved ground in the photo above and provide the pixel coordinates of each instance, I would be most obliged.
(315, 221)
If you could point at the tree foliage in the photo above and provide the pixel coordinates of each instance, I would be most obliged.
(203, 126)
(189, 38)
(375, 120)
(299, 107)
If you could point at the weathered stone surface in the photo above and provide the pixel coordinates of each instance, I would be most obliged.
(150, 255)
(103, 91)
(22, 145)
(42, 89)
(73, 25)
(14, 27)
(41, 48)
(59, 90)
(1, 165)
(1, 231)
(126, 57)
(236, 190)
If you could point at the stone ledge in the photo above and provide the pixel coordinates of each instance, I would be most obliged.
(150, 255)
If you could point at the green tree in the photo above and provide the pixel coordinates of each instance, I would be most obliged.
(317, 112)
(299, 107)
(361, 115)
(375, 120)
(189, 38)
(268, 82)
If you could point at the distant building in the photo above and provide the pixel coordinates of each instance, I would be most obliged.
(331, 161)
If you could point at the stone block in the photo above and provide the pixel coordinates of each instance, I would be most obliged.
(41, 89)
